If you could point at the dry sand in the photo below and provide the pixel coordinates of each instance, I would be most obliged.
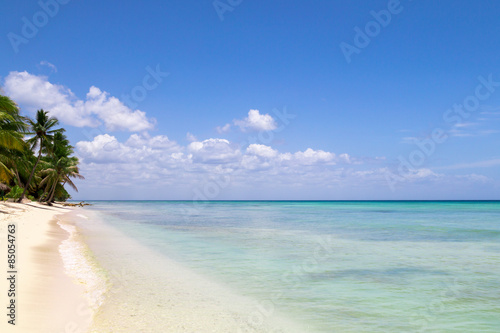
(47, 298)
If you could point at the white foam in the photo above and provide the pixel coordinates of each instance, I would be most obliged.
(77, 264)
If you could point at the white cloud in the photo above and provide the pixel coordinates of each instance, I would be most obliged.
(256, 122)
(115, 114)
(471, 129)
(345, 158)
(409, 140)
(261, 150)
(480, 164)
(145, 141)
(191, 137)
(224, 129)
(36, 92)
(207, 155)
(311, 156)
(465, 125)
(218, 151)
(106, 148)
(156, 163)
(48, 64)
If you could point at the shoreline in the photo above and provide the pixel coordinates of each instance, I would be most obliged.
(102, 270)
(47, 298)
(64, 285)
(151, 292)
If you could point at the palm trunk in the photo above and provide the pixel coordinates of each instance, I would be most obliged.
(18, 178)
(43, 194)
(53, 190)
(32, 173)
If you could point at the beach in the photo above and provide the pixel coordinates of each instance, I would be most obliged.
(62, 287)
(149, 266)
(237, 166)
(46, 298)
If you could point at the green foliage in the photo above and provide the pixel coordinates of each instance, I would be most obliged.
(61, 194)
(12, 128)
(15, 192)
(37, 166)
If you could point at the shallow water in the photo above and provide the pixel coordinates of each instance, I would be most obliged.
(333, 266)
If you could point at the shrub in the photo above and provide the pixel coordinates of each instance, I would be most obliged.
(15, 192)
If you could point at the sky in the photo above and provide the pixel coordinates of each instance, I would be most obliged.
(265, 100)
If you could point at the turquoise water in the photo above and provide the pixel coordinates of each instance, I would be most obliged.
(337, 266)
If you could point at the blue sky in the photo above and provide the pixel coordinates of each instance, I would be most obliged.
(261, 100)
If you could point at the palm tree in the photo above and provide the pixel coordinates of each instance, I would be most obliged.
(12, 127)
(51, 168)
(59, 166)
(60, 171)
(18, 164)
(7, 105)
(42, 131)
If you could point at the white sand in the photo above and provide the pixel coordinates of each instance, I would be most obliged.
(47, 299)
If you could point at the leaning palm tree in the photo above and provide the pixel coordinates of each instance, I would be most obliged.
(17, 165)
(62, 172)
(21, 165)
(12, 127)
(42, 131)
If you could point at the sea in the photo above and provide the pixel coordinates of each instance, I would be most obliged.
(320, 266)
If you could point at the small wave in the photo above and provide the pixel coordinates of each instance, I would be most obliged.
(79, 266)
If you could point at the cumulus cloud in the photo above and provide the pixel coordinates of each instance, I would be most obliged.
(161, 156)
(261, 150)
(214, 151)
(36, 92)
(256, 122)
(160, 163)
(311, 156)
(106, 148)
